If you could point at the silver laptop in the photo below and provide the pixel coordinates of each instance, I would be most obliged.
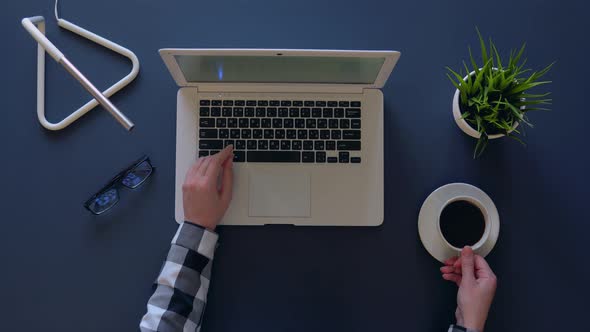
(306, 125)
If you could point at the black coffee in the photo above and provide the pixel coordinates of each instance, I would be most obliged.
(462, 224)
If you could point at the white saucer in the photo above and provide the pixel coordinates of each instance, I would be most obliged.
(429, 226)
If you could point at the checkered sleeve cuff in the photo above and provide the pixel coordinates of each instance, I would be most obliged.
(180, 294)
(458, 328)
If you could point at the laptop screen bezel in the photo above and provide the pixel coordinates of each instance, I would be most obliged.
(169, 57)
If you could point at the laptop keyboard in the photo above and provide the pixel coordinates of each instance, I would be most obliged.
(282, 131)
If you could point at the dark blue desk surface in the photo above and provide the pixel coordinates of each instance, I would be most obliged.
(65, 270)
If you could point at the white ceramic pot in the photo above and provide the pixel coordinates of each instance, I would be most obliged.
(463, 125)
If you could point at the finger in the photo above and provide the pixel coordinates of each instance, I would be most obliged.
(482, 269)
(468, 264)
(452, 277)
(451, 260)
(447, 269)
(227, 182)
(205, 166)
(198, 164)
(214, 168)
(193, 170)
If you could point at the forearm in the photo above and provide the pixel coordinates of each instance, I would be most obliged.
(180, 294)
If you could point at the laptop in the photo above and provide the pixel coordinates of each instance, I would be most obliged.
(306, 126)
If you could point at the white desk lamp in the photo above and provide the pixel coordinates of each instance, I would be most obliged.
(36, 27)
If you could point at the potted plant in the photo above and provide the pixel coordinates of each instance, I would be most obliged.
(493, 98)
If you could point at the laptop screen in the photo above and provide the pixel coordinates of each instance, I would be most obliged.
(279, 69)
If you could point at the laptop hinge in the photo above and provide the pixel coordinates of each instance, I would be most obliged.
(282, 88)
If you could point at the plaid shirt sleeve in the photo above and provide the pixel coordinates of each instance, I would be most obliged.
(180, 294)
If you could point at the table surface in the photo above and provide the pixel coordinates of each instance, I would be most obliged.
(66, 270)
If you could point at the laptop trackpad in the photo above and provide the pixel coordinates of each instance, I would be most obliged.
(279, 194)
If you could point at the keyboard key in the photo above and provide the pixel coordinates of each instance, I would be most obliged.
(206, 122)
(353, 113)
(273, 157)
(333, 123)
(307, 145)
(280, 133)
(260, 112)
(291, 134)
(320, 157)
(223, 133)
(244, 123)
(318, 145)
(266, 123)
(234, 133)
(240, 144)
(299, 123)
(232, 123)
(277, 123)
(239, 156)
(215, 111)
(330, 145)
(322, 123)
(263, 145)
(205, 144)
(307, 157)
(355, 160)
(349, 145)
(301, 134)
(343, 157)
(310, 123)
(221, 123)
(250, 102)
(344, 123)
(333, 103)
(269, 133)
(355, 104)
(351, 134)
(239, 103)
(263, 103)
(205, 102)
(257, 133)
(274, 145)
(252, 145)
(293, 112)
(343, 104)
(208, 133)
(314, 134)
(271, 112)
(325, 134)
(228, 142)
(228, 103)
(203, 153)
(355, 123)
(332, 160)
(246, 133)
(336, 134)
(296, 145)
(285, 145)
(298, 103)
(283, 112)
(274, 103)
(305, 112)
(320, 103)
(285, 103)
(249, 112)
(216, 103)
(339, 112)
(316, 112)
(254, 123)
(204, 111)
(226, 111)
(288, 123)
(213, 152)
(308, 103)
(328, 113)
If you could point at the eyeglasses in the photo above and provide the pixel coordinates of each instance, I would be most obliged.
(132, 177)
